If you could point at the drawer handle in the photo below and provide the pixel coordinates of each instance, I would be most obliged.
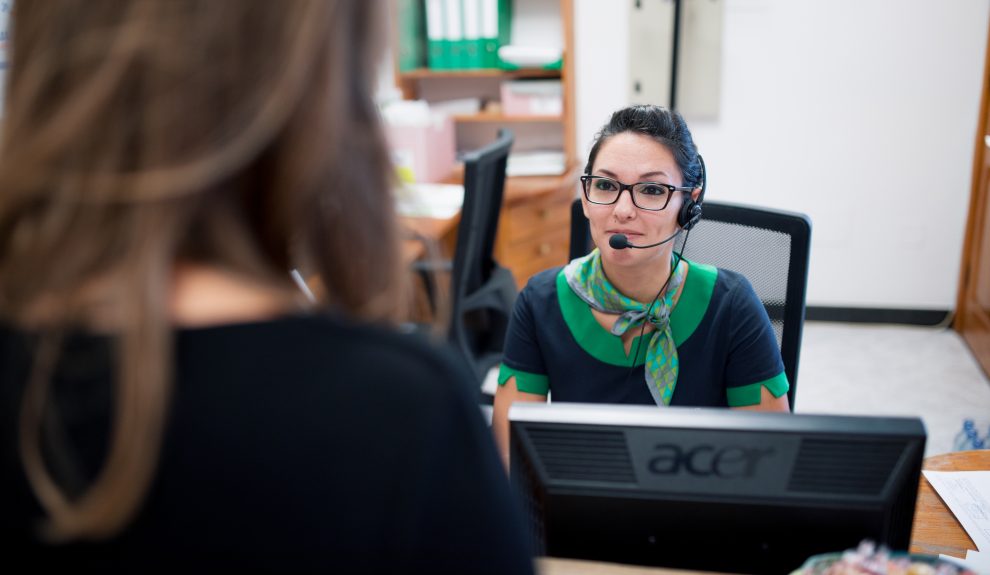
(544, 213)
(544, 249)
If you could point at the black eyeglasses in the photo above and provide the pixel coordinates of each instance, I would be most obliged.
(652, 196)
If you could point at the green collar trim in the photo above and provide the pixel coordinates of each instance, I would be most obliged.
(607, 348)
(693, 303)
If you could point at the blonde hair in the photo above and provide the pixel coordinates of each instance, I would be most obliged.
(237, 133)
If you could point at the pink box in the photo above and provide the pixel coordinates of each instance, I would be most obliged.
(428, 149)
(532, 98)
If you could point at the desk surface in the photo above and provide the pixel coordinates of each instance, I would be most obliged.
(558, 566)
(438, 230)
(935, 529)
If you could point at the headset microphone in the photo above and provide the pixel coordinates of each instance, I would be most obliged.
(621, 242)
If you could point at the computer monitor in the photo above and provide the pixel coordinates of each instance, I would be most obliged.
(712, 489)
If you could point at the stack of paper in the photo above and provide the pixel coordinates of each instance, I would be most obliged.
(967, 494)
(457, 106)
(546, 163)
(530, 56)
(429, 200)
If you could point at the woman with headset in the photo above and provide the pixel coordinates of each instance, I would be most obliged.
(633, 321)
(169, 400)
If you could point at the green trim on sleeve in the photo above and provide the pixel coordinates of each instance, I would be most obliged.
(745, 395)
(525, 382)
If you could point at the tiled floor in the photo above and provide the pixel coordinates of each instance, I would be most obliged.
(893, 370)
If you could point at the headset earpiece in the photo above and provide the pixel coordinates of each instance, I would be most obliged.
(689, 215)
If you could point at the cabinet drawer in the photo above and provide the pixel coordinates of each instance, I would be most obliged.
(529, 257)
(532, 218)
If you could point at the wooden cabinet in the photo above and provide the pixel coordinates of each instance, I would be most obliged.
(534, 223)
(534, 227)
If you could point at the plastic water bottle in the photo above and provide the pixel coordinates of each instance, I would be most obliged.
(965, 438)
(980, 441)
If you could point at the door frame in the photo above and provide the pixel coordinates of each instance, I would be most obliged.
(974, 324)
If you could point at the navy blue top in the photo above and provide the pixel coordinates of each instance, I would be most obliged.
(725, 344)
(295, 445)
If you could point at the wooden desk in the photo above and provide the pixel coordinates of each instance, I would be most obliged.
(558, 566)
(533, 230)
(534, 224)
(443, 231)
(935, 529)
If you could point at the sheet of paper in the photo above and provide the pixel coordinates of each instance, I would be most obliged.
(967, 493)
(975, 561)
(429, 200)
(545, 163)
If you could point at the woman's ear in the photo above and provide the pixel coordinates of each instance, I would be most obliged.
(695, 194)
(584, 206)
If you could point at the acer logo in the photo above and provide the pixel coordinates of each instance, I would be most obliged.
(706, 460)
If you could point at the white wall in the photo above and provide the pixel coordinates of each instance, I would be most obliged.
(860, 113)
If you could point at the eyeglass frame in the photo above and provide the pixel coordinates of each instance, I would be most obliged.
(586, 178)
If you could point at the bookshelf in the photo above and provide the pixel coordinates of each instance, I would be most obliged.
(534, 223)
(503, 119)
(406, 79)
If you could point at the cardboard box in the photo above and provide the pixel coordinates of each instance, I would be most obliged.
(423, 144)
(532, 98)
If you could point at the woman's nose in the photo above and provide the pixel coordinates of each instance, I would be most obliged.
(624, 207)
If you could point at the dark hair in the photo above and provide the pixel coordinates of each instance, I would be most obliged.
(666, 127)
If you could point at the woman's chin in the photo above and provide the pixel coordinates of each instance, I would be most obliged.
(626, 256)
(630, 257)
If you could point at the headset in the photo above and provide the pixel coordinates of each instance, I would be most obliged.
(688, 216)
(690, 213)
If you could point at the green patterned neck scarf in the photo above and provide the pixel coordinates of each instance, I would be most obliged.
(586, 278)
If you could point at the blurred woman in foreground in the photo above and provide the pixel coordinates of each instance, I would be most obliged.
(168, 402)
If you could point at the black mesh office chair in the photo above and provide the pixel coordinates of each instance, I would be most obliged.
(482, 291)
(769, 247)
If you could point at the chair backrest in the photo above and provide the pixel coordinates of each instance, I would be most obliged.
(482, 292)
(769, 247)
